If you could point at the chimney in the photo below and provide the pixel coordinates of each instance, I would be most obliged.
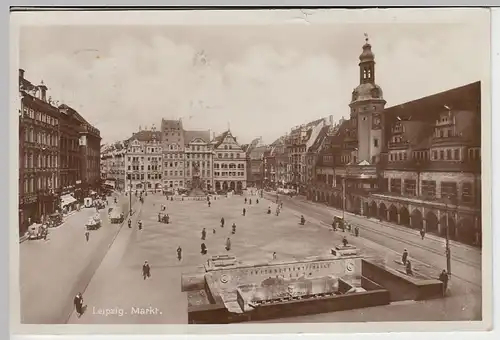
(21, 73)
(331, 120)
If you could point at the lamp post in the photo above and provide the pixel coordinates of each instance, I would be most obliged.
(448, 251)
(130, 199)
(343, 198)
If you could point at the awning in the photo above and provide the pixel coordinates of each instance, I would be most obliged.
(67, 199)
(110, 183)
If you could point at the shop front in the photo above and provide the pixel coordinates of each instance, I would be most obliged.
(68, 203)
(27, 212)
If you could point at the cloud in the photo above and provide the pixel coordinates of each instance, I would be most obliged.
(139, 82)
(260, 89)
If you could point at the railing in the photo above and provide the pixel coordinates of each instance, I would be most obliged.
(448, 139)
(400, 144)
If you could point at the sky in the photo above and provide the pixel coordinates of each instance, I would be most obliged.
(258, 80)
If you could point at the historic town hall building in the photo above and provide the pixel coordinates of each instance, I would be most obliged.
(415, 164)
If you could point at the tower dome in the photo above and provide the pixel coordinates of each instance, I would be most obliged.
(367, 54)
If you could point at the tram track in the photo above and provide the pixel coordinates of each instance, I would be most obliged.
(319, 215)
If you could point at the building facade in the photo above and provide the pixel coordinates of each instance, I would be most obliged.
(416, 164)
(199, 155)
(174, 167)
(144, 161)
(39, 179)
(113, 165)
(299, 140)
(229, 163)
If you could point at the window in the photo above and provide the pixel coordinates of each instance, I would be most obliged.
(375, 142)
(449, 189)
(396, 185)
(448, 154)
(441, 154)
(457, 154)
(410, 187)
(429, 189)
(467, 196)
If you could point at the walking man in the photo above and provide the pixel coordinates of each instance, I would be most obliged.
(443, 277)
(209, 204)
(139, 223)
(245, 200)
(179, 253)
(203, 249)
(250, 201)
(404, 257)
(203, 234)
(228, 244)
(78, 302)
(129, 223)
(274, 255)
(244, 211)
(87, 234)
(146, 270)
(222, 222)
(422, 233)
(409, 271)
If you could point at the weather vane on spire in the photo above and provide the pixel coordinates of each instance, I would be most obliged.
(366, 37)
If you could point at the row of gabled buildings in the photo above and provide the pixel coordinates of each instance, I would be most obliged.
(59, 154)
(172, 158)
(416, 164)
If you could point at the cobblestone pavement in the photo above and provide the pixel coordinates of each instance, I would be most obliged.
(119, 289)
(53, 271)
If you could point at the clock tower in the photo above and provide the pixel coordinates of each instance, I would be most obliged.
(367, 105)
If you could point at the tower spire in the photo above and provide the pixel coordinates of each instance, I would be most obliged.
(367, 63)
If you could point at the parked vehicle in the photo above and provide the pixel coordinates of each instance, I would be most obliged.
(37, 231)
(55, 220)
(88, 202)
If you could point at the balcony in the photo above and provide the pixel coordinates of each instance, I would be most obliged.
(398, 129)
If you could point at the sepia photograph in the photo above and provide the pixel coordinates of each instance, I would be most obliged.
(253, 168)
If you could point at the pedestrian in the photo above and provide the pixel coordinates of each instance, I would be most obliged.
(129, 223)
(422, 233)
(244, 211)
(87, 234)
(228, 244)
(168, 219)
(274, 255)
(203, 234)
(79, 306)
(209, 204)
(404, 257)
(344, 241)
(222, 222)
(356, 231)
(159, 217)
(281, 205)
(203, 249)
(179, 253)
(443, 277)
(257, 201)
(250, 201)
(146, 270)
(139, 223)
(408, 268)
(214, 231)
(269, 210)
(234, 228)
(245, 200)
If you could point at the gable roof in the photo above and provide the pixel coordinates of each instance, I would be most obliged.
(145, 136)
(189, 136)
(220, 138)
(319, 139)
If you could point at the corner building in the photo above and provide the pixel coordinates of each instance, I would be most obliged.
(417, 164)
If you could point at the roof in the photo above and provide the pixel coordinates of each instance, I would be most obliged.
(319, 139)
(189, 136)
(219, 139)
(145, 136)
(464, 98)
(258, 152)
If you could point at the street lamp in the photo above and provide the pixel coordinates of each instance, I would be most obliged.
(343, 198)
(448, 251)
(130, 199)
